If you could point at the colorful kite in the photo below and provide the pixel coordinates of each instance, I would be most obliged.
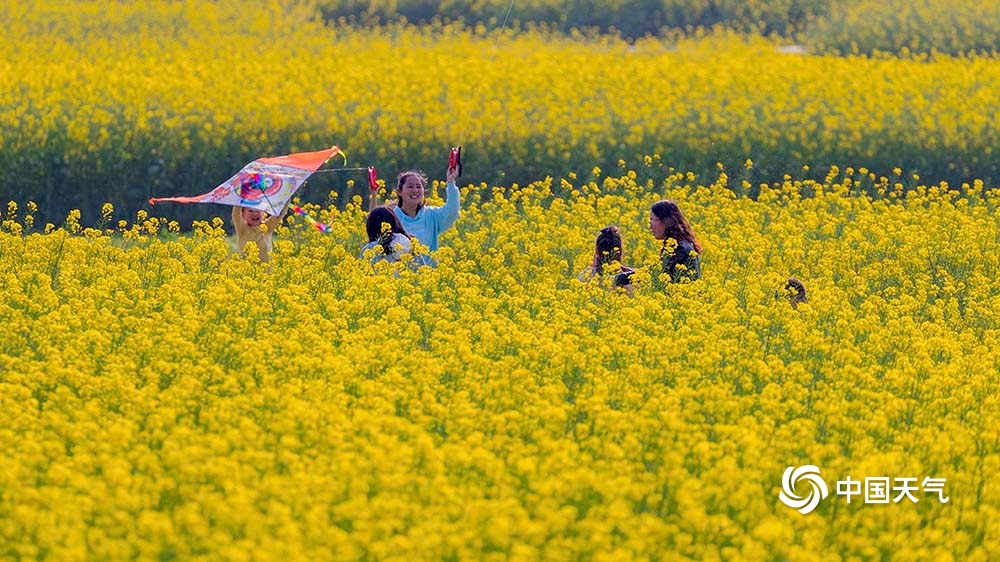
(265, 184)
(324, 228)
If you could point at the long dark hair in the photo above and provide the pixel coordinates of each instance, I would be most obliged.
(419, 174)
(677, 227)
(608, 247)
(376, 218)
(796, 291)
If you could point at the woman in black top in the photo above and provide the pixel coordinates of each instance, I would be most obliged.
(681, 250)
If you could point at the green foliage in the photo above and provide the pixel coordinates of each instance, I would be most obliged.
(952, 27)
(630, 18)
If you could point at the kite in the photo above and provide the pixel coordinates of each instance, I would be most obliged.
(265, 184)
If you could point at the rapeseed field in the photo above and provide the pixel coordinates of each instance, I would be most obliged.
(166, 398)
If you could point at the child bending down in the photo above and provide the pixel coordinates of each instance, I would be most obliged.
(388, 240)
(608, 254)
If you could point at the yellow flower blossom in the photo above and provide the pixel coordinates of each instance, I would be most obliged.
(193, 401)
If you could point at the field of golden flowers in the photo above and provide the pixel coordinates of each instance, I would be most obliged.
(122, 101)
(165, 399)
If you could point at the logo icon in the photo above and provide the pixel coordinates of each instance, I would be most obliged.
(810, 474)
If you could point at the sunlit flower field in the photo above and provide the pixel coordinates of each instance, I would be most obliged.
(122, 101)
(163, 398)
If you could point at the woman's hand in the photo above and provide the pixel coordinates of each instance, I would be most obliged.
(452, 175)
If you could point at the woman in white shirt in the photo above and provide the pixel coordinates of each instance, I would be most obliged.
(387, 239)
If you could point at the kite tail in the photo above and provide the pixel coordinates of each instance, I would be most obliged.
(324, 228)
(339, 151)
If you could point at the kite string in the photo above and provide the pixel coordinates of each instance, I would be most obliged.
(322, 227)
(338, 170)
(493, 55)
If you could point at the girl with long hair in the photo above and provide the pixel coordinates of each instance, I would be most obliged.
(681, 251)
(422, 222)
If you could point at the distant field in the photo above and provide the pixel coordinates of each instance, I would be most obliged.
(952, 27)
(132, 100)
